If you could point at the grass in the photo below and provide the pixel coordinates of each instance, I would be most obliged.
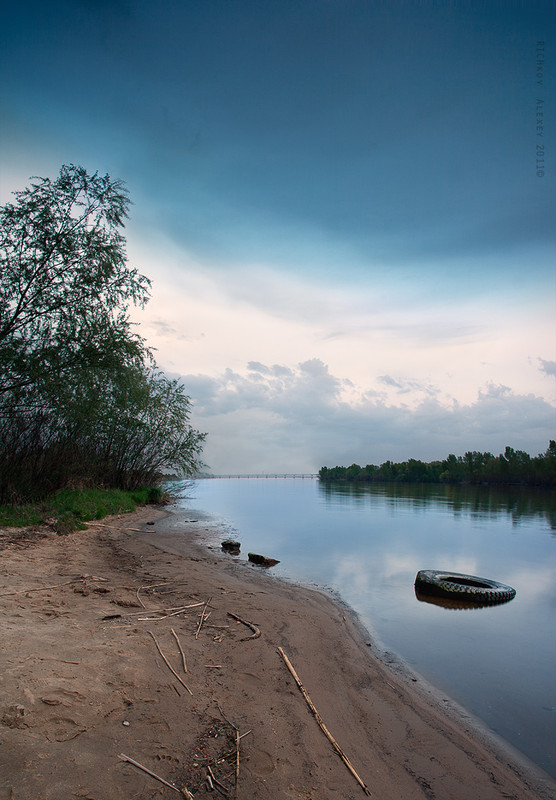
(69, 509)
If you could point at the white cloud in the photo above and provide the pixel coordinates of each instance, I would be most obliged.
(301, 418)
(204, 318)
(289, 374)
(548, 367)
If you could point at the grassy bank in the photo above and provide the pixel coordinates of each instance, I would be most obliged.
(69, 509)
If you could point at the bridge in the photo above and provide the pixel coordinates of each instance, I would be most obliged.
(265, 475)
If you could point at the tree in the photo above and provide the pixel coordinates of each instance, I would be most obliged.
(81, 398)
(66, 283)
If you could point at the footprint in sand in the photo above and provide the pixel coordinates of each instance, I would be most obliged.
(62, 697)
(261, 762)
(62, 729)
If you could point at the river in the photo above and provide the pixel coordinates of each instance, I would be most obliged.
(366, 543)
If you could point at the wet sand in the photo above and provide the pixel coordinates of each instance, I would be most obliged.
(98, 661)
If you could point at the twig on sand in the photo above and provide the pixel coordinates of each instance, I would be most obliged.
(170, 667)
(56, 586)
(238, 738)
(217, 785)
(203, 617)
(172, 613)
(115, 527)
(321, 724)
(168, 612)
(183, 661)
(139, 599)
(149, 586)
(185, 792)
(256, 631)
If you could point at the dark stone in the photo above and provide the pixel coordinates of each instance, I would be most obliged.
(261, 561)
(229, 546)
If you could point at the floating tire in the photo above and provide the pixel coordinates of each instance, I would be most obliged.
(462, 587)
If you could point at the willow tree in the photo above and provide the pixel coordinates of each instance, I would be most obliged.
(70, 362)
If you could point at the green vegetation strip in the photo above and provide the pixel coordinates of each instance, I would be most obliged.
(512, 468)
(68, 510)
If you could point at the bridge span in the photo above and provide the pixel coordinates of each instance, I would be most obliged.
(265, 475)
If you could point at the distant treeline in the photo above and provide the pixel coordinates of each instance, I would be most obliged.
(513, 467)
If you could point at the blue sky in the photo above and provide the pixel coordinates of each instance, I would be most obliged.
(338, 203)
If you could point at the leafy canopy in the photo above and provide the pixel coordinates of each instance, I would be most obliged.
(66, 283)
(81, 398)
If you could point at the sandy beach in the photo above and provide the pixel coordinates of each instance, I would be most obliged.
(129, 642)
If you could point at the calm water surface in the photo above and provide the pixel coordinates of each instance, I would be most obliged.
(367, 543)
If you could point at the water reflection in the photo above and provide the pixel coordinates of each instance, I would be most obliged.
(480, 501)
(368, 542)
(447, 602)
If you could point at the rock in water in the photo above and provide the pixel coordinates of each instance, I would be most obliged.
(229, 546)
(261, 561)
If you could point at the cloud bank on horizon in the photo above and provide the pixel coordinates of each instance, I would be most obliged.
(346, 208)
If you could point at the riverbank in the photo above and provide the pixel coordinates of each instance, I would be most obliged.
(88, 642)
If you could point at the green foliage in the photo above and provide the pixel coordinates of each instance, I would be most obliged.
(67, 510)
(514, 467)
(153, 495)
(81, 400)
(66, 283)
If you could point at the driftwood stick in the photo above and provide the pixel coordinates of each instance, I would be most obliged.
(183, 661)
(219, 786)
(321, 724)
(200, 625)
(116, 527)
(150, 586)
(256, 631)
(172, 612)
(56, 586)
(139, 599)
(169, 612)
(165, 616)
(156, 585)
(170, 667)
(238, 737)
(184, 791)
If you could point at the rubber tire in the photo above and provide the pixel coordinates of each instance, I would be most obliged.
(463, 587)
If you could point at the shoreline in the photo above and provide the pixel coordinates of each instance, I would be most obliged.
(390, 660)
(83, 682)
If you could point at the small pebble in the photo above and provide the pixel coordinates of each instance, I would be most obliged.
(126, 723)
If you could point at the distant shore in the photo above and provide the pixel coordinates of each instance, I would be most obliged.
(85, 679)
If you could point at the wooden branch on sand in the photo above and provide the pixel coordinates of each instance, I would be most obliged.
(238, 739)
(185, 792)
(149, 586)
(256, 631)
(321, 724)
(56, 586)
(171, 612)
(203, 617)
(216, 783)
(183, 661)
(115, 527)
(170, 667)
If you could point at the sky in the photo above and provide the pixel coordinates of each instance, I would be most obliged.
(346, 207)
